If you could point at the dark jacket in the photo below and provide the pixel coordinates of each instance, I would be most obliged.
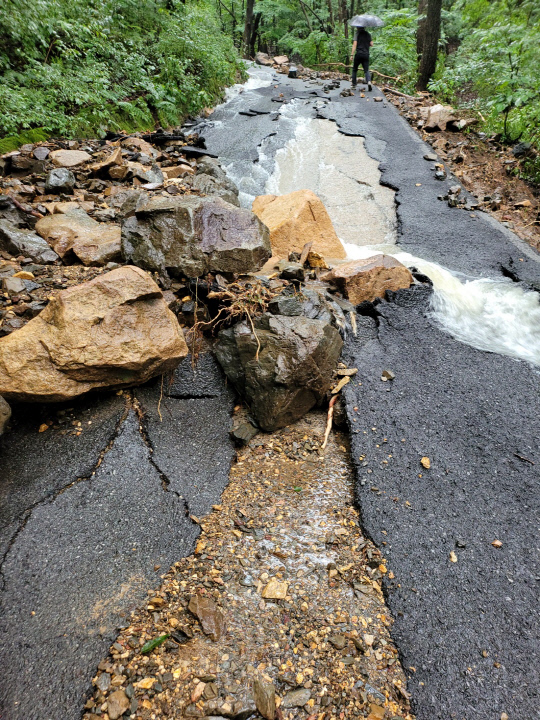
(363, 40)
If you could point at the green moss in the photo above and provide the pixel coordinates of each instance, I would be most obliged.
(14, 142)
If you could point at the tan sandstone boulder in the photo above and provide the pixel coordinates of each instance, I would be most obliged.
(69, 158)
(92, 242)
(369, 278)
(294, 220)
(114, 331)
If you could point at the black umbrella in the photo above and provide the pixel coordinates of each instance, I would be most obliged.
(366, 21)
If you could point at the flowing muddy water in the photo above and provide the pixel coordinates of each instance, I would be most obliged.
(494, 315)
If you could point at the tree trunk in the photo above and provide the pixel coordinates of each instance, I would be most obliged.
(330, 13)
(255, 30)
(353, 7)
(248, 27)
(343, 16)
(422, 5)
(432, 33)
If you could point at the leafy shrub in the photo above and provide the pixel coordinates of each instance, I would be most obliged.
(78, 67)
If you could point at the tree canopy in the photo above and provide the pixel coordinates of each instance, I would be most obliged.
(77, 67)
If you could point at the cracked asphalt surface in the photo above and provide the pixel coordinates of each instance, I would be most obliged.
(90, 522)
(467, 631)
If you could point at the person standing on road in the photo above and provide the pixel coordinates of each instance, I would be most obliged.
(360, 54)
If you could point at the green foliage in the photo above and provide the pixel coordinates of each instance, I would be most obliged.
(495, 69)
(29, 136)
(394, 50)
(79, 67)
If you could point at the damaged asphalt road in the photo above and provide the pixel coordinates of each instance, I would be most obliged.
(466, 630)
(90, 522)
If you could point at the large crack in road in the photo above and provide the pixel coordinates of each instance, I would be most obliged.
(109, 510)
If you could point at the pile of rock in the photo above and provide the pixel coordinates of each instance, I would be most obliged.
(283, 65)
(72, 319)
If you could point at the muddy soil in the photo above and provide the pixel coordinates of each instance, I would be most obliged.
(486, 168)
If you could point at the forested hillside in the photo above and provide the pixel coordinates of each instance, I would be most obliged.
(77, 67)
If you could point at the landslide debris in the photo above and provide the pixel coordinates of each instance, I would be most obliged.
(111, 332)
(283, 568)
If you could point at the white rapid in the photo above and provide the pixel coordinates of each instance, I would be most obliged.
(494, 315)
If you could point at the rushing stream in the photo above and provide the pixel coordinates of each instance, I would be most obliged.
(489, 314)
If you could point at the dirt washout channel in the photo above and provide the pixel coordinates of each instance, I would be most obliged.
(290, 594)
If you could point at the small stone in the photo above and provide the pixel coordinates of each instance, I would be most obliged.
(387, 375)
(275, 590)
(13, 285)
(210, 691)
(264, 694)
(440, 175)
(117, 704)
(425, 462)
(59, 181)
(211, 619)
(243, 433)
(431, 157)
(146, 683)
(497, 544)
(520, 150)
(291, 270)
(197, 692)
(69, 158)
(338, 641)
(296, 698)
(193, 711)
(103, 682)
(41, 153)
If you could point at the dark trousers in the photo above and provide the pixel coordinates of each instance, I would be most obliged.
(363, 60)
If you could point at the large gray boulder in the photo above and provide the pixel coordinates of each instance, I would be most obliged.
(293, 370)
(209, 185)
(5, 414)
(60, 180)
(194, 235)
(19, 241)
